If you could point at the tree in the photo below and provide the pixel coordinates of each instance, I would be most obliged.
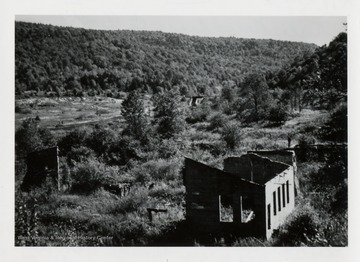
(255, 98)
(277, 114)
(133, 111)
(335, 129)
(75, 138)
(100, 140)
(167, 114)
(31, 137)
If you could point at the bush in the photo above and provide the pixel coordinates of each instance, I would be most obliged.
(217, 121)
(79, 154)
(277, 114)
(159, 169)
(168, 191)
(301, 228)
(100, 140)
(231, 134)
(198, 113)
(131, 202)
(122, 151)
(75, 138)
(88, 176)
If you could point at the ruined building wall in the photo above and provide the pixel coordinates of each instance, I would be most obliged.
(201, 195)
(280, 199)
(253, 167)
(205, 186)
(284, 156)
(241, 166)
(42, 166)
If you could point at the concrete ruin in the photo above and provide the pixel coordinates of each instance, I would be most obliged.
(252, 196)
(42, 167)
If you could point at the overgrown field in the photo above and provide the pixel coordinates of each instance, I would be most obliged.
(98, 152)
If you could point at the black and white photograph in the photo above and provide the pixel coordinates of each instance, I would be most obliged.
(181, 131)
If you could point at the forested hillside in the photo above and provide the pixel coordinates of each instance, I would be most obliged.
(319, 80)
(73, 61)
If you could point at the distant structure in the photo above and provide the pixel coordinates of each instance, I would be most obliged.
(196, 100)
(252, 196)
(42, 166)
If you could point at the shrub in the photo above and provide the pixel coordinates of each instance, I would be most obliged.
(74, 138)
(199, 113)
(79, 154)
(100, 140)
(168, 191)
(217, 121)
(231, 134)
(131, 202)
(159, 169)
(26, 221)
(166, 148)
(277, 114)
(122, 151)
(88, 176)
(301, 228)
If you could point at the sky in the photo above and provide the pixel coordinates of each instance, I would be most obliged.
(319, 30)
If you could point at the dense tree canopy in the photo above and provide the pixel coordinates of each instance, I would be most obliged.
(72, 61)
(319, 79)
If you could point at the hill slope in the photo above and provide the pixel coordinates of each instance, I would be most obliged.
(60, 59)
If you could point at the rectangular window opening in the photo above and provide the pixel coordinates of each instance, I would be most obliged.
(274, 202)
(226, 208)
(287, 192)
(247, 209)
(283, 194)
(269, 216)
(279, 199)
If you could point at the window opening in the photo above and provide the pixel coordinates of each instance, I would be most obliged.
(287, 192)
(274, 202)
(226, 208)
(269, 216)
(283, 194)
(247, 209)
(279, 198)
